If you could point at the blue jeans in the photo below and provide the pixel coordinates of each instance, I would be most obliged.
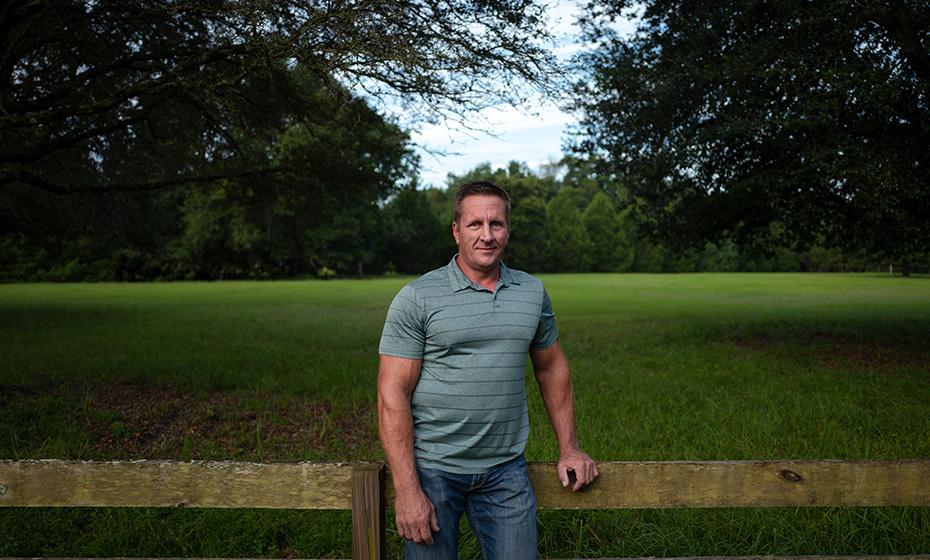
(500, 506)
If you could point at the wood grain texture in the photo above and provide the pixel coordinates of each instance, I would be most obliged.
(329, 485)
(740, 484)
(204, 484)
(368, 512)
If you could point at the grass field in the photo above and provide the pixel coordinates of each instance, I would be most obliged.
(666, 367)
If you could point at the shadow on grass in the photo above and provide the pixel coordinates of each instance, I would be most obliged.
(122, 421)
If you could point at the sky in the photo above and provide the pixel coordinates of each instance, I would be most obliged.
(533, 135)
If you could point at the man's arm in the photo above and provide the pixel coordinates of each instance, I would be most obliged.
(414, 512)
(554, 379)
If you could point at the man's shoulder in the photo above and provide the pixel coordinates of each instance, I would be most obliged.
(436, 280)
(524, 278)
(438, 277)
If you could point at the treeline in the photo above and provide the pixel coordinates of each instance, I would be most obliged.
(309, 200)
(568, 218)
(564, 219)
(240, 140)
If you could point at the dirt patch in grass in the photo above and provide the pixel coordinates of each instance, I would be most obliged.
(762, 342)
(839, 351)
(153, 422)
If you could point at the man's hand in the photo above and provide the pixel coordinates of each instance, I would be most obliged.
(415, 517)
(578, 462)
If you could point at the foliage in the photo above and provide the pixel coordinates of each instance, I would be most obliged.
(101, 96)
(570, 248)
(322, 214)
(609, 237)
(416, 241)
(529, 235)
(733, 117)
(318, 210)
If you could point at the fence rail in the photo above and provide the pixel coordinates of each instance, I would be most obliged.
(363, 488)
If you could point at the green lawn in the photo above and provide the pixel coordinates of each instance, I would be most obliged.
(666, 367)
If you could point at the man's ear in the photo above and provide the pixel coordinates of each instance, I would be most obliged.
(455, 231)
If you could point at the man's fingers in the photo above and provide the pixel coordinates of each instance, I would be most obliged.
(585, 473)
(563, 475)
(579, 480)
(425, 535)
(433, 520)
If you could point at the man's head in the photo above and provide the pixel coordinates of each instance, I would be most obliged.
(479, 188)
(480, 225)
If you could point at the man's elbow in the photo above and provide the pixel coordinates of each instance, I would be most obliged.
(393, 398)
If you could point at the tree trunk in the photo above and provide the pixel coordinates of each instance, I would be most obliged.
(295, 247)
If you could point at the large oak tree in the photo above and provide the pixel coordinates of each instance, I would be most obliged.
(806, 121)
(112, 95)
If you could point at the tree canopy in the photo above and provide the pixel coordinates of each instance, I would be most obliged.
(109, 95)
(799, 121)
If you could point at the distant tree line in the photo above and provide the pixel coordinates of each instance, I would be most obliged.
(564, 219)
(184, 140)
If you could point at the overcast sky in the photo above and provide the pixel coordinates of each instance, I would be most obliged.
(533, 135)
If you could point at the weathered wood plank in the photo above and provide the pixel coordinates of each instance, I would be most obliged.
(709, 484)
(368, 512)
(328, 486)
(176, 484)
(740, 484)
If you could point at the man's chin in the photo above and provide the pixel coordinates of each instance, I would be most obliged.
(487, 262)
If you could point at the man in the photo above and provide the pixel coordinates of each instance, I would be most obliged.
(452, 395)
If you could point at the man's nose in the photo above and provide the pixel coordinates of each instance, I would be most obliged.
(486, 232)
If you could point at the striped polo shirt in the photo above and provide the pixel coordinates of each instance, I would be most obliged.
(469, 405)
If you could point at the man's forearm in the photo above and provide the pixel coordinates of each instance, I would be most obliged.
(556, 389)
(395, 426)
(555, 385)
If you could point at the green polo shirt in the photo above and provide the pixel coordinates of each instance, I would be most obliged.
(469, 405)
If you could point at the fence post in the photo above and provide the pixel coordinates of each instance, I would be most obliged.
(368, 511)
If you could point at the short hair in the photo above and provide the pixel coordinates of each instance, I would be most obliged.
(479, 188)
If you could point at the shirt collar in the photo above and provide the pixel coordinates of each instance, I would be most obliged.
(459, 281)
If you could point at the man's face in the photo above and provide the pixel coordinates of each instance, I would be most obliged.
(481, 232)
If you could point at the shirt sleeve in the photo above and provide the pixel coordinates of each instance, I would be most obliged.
(404, 335)
(547, 332)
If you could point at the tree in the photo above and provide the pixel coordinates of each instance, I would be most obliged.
(611, 247)
(809, 119)
(319, 212)
(416, 241)
(108, 95)
(569, 245)
(528, 248)
(318, 215)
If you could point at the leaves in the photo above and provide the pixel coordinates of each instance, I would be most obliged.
(736, 117)
(110, 95)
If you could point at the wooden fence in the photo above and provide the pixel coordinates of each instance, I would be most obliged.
(364, 487)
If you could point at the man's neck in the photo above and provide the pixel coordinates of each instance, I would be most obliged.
(485, 279)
